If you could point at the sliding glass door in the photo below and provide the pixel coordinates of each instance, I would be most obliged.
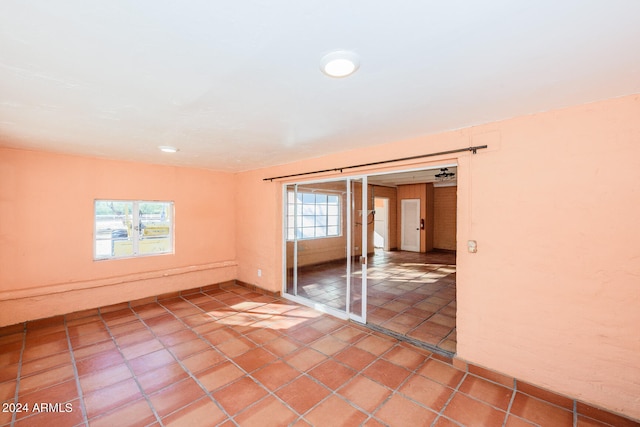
(325, 246)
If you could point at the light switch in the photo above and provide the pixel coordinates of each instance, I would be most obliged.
(472, 246)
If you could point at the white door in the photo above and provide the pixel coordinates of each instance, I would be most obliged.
(381, 238)
(410, 217)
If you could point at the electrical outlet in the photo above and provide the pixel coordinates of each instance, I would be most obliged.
(259, 273)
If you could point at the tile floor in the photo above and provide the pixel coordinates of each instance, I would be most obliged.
(409, 293)
(235, 357)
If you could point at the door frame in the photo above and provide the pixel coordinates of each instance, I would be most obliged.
(349, 256)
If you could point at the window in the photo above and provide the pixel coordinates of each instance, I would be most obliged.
(316, 215)
(125, 228)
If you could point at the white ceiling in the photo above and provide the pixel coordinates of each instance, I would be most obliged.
(236, 85)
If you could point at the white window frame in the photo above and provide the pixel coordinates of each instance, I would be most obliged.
(137, 243)
(298, 213)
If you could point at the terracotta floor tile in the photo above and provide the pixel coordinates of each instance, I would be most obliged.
(545, 395)
(282, 346)
(332, 374)
(176, 396)
(133, 338)
(269, 412)
(426, 392)
(178, 337)
(326, 325)
(375, 344)
(302, 394)
(137, 413)
(441, 372)
(471, 412)
(9, 373)
(443, 421)
(329, 345)
(405, 357)
(94, 349)
(400, 411)
(365, 393)
(349, 334)
(276, 375)
(10, 356)
(335, 412)
(199, 413)
(151, 361)
(532, 409)
(239, 395)
(38, 351)
(263, 336)
(236, 346)
(254, 359)
(46, 378)
(148, 311)
(219, 376)
(109, 398)
(128, 328)
(89, 339)
(513, 421)
(105, 377)
(7, 390)
(488, 392)
(141, 348)
(305, 335)
(203, 360)
(189, 348)
(98, 362)
(356, 358)
(304, 359)
(160, 378)
(386, 373)
(86, 328)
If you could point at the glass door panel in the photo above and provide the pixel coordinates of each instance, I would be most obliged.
(316, 243)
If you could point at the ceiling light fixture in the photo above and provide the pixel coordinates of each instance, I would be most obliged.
(167, 149)
(340, 63)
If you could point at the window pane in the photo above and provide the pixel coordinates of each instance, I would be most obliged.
(315, 212)
(308, 221)
(113, 228)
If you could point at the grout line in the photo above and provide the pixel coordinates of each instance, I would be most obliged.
(75, 374)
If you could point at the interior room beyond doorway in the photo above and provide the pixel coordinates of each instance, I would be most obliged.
(411, 289)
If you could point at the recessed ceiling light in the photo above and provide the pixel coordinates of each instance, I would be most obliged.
(168, 149)
(340, 63)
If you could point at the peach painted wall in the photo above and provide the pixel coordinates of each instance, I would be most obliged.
(46, 232)
(552, 296)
